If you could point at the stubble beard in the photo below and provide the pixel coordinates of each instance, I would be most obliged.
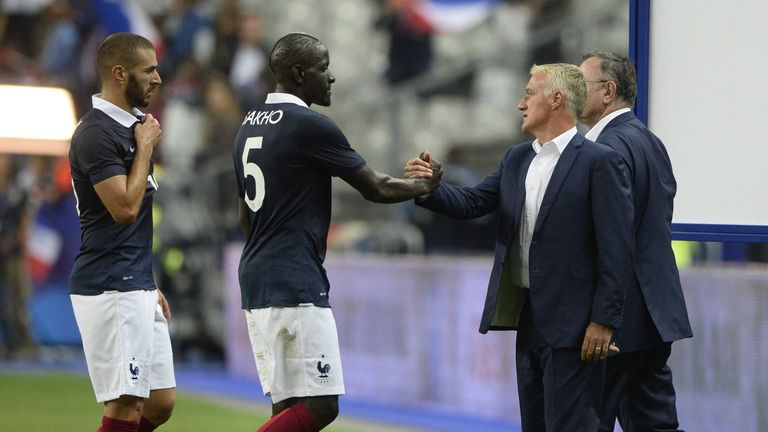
(134, 94)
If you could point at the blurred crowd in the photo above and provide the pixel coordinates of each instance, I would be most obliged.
(213, 65)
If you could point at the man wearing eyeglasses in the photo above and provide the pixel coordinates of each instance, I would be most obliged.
(639, 387)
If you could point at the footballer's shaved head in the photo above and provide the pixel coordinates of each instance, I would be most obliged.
(120, 49)
(290, 50)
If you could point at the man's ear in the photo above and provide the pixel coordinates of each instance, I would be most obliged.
(610, 92)
(119, 74)
(557, 99)
(298, 73)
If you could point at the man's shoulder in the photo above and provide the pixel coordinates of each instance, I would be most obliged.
(98, 134)
(598, 149)
(520, 148)
(517, 153)
(97, 116)
(319, 125)
(629, 134)
(317, 118)
(285, 113)
(625, 124)
(94, 120)
(285, 107)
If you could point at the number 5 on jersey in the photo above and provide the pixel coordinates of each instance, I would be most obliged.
(250, 169)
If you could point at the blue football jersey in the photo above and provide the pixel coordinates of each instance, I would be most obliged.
(112, 256)
(285, 155)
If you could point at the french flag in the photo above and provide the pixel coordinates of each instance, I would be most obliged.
(43, 247)
(451, 16)
(116, 16)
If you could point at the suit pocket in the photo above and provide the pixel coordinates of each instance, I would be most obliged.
(579, 271)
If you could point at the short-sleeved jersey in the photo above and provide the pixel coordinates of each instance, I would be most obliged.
(285, 156)
(112, 257)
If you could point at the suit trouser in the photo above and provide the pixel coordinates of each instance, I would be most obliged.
(558, 392)
(639, 391)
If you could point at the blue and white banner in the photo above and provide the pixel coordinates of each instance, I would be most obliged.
(115, 16)
(453, 15)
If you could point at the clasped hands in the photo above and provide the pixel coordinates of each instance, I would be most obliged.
(423, 167)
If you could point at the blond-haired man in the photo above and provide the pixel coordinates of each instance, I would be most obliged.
(562, 252)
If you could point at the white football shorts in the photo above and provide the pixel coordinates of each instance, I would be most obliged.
(296, 351)
(126, 342)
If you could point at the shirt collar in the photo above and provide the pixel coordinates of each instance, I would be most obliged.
(598, 128)
(119, 115)
(560, 141)
(276, 98)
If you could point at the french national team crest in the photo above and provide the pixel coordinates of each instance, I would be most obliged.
(134, 371)
(324, 369)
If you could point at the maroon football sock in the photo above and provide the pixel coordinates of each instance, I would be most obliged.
(294, 419)
(145, 425)
(109, 424)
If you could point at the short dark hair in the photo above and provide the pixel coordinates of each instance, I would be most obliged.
(120, 49)
(619, 69)
(289, 50)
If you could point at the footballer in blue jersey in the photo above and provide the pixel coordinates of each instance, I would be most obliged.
(285, 156)
(121, 315)
(113, 256)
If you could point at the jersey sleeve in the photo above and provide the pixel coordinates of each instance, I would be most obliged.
(331, 149)
(97, 155)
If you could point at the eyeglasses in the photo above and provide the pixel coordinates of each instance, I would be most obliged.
(598, 81)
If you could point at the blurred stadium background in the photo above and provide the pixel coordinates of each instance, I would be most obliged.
(407, 285)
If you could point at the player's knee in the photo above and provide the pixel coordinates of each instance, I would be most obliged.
(159, 407)
(125, 407)
(331, 411)
(163, 412)
(130, 403)
(325, 409)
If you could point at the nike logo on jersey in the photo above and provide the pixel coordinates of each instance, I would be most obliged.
(132, 149)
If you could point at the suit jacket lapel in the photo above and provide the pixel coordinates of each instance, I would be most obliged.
(558, 177)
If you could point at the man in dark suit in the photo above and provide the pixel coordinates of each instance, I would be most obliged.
(562, 253)
(639, 383)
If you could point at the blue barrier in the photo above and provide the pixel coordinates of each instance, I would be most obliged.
(52, 319)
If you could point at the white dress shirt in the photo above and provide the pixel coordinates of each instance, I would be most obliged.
(536, 182)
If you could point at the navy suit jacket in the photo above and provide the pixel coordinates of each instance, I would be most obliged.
(580, 251)
(655, 300)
